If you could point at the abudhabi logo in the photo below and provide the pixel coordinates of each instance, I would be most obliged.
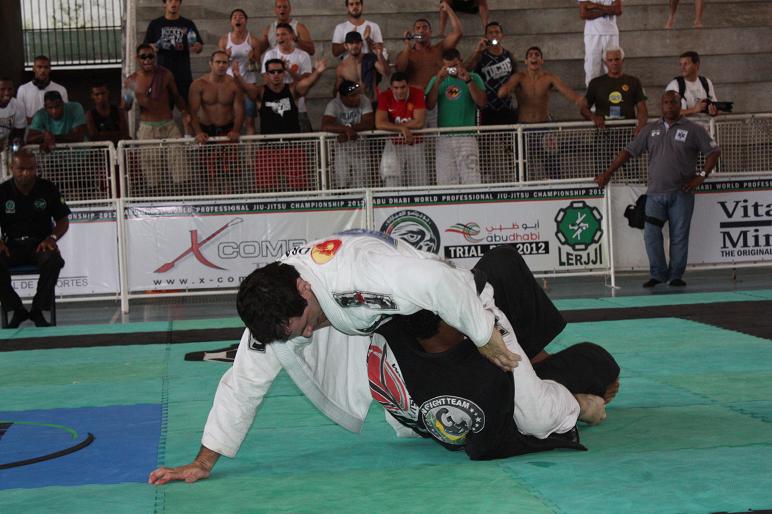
(579, 228)
(414, 227)
(196, 246)
(469, 231)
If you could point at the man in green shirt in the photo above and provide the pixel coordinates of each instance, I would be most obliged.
(457, 94)
(57, 122)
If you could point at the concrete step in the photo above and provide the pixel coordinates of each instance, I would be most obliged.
(530, 21)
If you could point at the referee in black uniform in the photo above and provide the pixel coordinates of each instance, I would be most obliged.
(33, 217)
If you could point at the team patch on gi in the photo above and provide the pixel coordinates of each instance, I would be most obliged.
(375, 301)
(680, 135)
(323, 252)
(450, 418)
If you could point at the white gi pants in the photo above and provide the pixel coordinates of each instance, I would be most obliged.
(403, 165)
(594, 49)
(350, 169)
(458, 160)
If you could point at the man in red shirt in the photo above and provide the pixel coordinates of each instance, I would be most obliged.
(401, 108)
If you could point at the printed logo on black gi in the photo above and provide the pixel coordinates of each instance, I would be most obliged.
(450, 418)
(39, 204)
(414, 227)
(376, 301)
(256, 345)
(10, 207)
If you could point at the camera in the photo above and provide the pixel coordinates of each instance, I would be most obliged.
(452, 71)
(413, 37)
(720, 106)
(491, 42)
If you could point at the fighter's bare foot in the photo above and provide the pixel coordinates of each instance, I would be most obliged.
(670, 22)
(611, 391)
(697, 24)
(592, 409)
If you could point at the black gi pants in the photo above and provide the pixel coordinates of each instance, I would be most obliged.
(582, 368)
(49, 264)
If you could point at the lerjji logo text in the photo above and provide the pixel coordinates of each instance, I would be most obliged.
(579, 228)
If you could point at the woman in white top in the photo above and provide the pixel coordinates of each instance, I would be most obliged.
(242, 47)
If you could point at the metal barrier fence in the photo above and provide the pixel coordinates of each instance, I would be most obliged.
(314, 162)
(746, 143)
(255, 164)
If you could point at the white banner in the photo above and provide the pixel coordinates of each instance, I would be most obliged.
(90, 253)
(732, 223)
(215, 244)
(555, 228)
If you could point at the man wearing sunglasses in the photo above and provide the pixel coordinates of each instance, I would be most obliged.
(156, 93)
(277, 106)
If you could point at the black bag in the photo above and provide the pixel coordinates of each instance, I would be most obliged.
(636, 214)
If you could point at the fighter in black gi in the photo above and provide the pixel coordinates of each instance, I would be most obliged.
(462, 400)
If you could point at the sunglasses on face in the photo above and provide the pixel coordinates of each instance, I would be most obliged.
(146, 57)
(275, 72)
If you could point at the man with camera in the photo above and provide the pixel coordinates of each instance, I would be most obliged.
(457, 94)
(420, 59)
(697, 94)
(673, 144)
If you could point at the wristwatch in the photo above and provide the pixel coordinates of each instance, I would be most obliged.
(702, 174)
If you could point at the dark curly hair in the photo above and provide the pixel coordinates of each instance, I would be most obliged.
(267, 299)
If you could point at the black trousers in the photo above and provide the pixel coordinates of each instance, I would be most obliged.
(49, 264)
(534, 317)
(582, 368)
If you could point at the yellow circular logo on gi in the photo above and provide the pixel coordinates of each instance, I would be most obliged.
(615, 97)
(323, 252)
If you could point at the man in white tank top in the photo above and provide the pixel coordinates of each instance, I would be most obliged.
(283, 9)
(242, 47)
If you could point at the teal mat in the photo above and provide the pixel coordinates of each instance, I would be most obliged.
(689, 432)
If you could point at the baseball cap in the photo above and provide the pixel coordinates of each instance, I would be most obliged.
(348, 87)
(353, 37)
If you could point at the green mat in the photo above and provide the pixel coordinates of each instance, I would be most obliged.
(689, 432)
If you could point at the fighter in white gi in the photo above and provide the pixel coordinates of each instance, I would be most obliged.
(330, 371)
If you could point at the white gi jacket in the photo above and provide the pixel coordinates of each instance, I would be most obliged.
(360, 278)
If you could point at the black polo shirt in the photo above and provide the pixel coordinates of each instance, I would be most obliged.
(30, 215)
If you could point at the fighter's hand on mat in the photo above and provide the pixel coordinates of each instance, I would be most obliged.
(189, 473)
(498, 353)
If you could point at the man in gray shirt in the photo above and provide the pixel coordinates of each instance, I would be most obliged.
(673, 143)
(346, 115)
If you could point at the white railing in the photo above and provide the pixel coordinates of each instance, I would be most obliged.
(284, 175)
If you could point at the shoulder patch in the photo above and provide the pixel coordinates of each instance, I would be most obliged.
(323, 252)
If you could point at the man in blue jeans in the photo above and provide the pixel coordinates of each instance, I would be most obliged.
(673, 143)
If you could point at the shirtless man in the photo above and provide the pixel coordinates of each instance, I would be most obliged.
(532, 88)
(360, 67)
(419, 58)
(155, 90)
(216, 102)
(302, 35)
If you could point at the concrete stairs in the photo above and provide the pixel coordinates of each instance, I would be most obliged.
(735, 43)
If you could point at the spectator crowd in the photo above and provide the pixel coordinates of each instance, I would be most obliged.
(258, 82)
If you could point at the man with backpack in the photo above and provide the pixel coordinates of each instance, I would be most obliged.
(697, 93)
